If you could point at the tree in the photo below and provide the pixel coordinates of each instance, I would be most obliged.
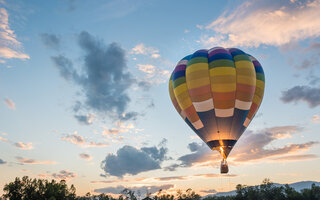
(128, 195)
(311, 194)
(29, 189)
(291, 193)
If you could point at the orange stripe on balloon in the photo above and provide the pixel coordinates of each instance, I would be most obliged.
(199, 91)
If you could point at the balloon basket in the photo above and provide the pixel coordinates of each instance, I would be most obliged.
(224, 169)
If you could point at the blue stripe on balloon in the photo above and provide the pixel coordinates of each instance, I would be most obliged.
(208, 120)
(188, 57)
(178, 74)
(259, 70)
(224, 124)
(219, 56)
(238, 119)
(200, 54)
(200, 132)
(234, 52)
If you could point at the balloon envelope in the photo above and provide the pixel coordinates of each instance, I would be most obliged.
(217, 92)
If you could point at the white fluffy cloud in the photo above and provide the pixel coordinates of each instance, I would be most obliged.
(271, 23)
(141, 49)
(154, 74)
(10, 47)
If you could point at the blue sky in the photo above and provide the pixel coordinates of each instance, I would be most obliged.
(84, 84)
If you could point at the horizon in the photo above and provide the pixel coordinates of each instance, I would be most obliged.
(84, 93)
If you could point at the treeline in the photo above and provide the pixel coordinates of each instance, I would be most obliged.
(41, 189)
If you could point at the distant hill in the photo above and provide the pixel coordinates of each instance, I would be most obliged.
(297, 186)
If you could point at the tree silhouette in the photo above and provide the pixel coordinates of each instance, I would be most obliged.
(39, 189)
(28, 189)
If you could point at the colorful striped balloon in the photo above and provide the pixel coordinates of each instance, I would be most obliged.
(217, 92)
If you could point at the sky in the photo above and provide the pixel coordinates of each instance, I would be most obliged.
(84, 93)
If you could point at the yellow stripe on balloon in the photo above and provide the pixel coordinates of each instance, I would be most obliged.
(196, 67)
(260, 84)
(248, 80)
(198, 83)
(180, 89)
(222, 71)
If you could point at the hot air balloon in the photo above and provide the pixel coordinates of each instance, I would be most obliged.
(218, 92)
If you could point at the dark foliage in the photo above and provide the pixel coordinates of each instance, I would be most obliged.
(268, 191)
(28, 189)
(35, 189)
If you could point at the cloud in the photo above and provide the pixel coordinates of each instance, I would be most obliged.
(10, 46)
(297, 157)
(3, 139)
(130, 160)
(51, 41)
(44, 175)
(155, 56)
(313, 80)
(200, 154)
(96, 144)
(114, 131)
(282, 132)
(24, 146)
(113, 134)
(85, 156)
(315, 119)
(310, 95)
(142, 189)
(310, 58)
(61, 175)
(169, 179)
(64, 175)
(74, 139)
(154, 75)
(2, 162)
(214, 175)
(85, 119)
(141, 49)
(308, 63)
(251, 146)
(119, 180)
(259, 141)
(210, 191)
(28, 161)
(10, 104)
(65, 67)
(157, 153)
(269, 22)
(105, 79)
(81, 141)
